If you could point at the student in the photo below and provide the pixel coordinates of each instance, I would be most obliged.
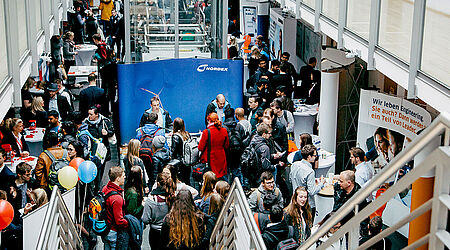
(298, 214)
(209, 182)
(184, 227)
(114, 206)
(277, 230)
(157, 206)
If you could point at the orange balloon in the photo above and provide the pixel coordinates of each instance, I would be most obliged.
(6, 214)
(76, 162)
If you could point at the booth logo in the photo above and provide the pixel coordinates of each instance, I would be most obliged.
(204, 67)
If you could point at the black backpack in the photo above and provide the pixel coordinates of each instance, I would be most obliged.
(56, 165)
(97, 213)
(251, 162)
(287, 244)
(235, 140)
(145, 151)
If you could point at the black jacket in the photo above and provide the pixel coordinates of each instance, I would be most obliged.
(283, 80)
(10, 139)
(273, 234)
(159, 159)
(91, 96)
(177, 147)
(168, 124)
(279, 135)
(263, 151)
(212, 107)
(233, 157)
(305, 77)
(64, 107)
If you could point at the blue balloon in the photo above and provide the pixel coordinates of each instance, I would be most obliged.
(87, 171)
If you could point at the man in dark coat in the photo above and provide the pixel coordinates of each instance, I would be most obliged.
(305, 76)
(283, 79)
(91, 96)
(55, 101)
(218, 106)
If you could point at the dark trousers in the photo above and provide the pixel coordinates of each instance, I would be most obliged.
(154, 237)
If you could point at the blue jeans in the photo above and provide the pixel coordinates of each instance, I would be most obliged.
(235, 172)
(110, 240)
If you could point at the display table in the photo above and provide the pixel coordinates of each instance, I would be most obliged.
(32, 160)
(326, 160)
(80, 73)
(34, 138)
(35, 91)
(324, 202)
(304, 117)
(85, 53)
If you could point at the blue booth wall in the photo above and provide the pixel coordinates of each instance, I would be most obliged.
(185, 86)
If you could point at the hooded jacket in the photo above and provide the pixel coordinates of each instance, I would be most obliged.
(160, 158)
(255, 201)
(149, 129)
(115, 207)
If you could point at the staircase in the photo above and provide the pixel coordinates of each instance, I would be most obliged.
(58, 230)
(236, 227)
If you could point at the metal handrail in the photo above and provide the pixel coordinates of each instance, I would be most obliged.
(57, 209)
(236, 196)
(439, 126)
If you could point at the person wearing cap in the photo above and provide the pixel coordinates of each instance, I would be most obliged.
(161, 156)
(55, 101)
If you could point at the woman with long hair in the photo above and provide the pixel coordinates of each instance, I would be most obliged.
(134, 192)
(184, 226)
(69, 50)
(218, 143)
(15, 137)
(209, 182)
(179, 185)
(253, 62)
(157, 206)
(133, 159)
(38, 112)
(298, 214)
(222, 188)
(180, 135)
(75, 149)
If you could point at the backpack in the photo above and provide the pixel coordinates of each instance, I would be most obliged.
(190, 151)
(56, 165)
(235, 140)
(146, 150)
(251, 162)
(96, 148)
(97, 213)
(287, 244)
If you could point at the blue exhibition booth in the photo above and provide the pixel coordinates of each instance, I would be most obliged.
(185, 87)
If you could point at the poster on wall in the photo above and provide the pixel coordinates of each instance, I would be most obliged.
(250, 26)
(275, 38)
(387, 124)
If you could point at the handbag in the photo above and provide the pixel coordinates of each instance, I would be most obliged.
(201, 168)
(111, 139)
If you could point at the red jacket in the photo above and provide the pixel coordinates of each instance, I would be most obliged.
(219, 143)
(115, 207)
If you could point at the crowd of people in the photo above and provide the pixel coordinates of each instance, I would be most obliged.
(164, 183)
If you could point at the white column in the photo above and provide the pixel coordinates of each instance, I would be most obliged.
(328, 109)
